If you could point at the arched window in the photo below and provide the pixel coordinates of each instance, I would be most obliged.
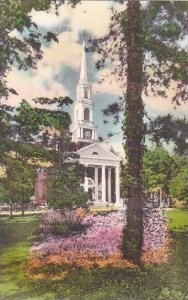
(85, 93)
(86, 114)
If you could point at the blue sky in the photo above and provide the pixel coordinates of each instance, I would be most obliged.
(57, 73)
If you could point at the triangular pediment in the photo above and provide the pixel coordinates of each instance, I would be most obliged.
(97, 151)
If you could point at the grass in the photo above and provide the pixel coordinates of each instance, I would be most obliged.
(15, 245)
(178, 220)
(155, 282)
(102, 209)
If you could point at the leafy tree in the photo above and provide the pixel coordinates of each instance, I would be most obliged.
(46, 129)
(64, 187)
(143, 43)
(20, 46)
(169, 129)
(22, 49)
(3, 192)
(50, 129)
(158, 169)
(179, 185)
(18, 183)
(35, 135)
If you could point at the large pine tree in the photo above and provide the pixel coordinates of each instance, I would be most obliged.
(144, 41)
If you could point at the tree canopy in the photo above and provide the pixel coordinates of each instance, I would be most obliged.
(64, 186)
(159, 167)
(179, 185)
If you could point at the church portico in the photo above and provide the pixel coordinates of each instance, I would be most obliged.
(102, 181)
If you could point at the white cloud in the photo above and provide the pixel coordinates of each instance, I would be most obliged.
(15, 34)
(88, 16)
(67, 52)
(159, 106)
(109, 85)
(46, 20)
(32, 87)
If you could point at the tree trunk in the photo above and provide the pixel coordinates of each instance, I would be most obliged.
(133, 132)
(10, 209)
(22, 204)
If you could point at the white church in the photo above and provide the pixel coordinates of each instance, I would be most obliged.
(103, 180)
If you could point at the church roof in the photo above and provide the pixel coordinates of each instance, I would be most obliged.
(98, 151)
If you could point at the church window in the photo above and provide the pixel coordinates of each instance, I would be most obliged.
(86, 114)
(95, 153)
(85, 93)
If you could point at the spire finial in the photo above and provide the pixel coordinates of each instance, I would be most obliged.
(83, 72)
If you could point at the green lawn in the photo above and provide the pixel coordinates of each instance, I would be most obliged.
(178, 220)
(151, 283)
(15, 242)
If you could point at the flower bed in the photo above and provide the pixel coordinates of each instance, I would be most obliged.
(102, 237)
(99, 245)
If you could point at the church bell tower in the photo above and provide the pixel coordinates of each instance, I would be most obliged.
(83, 128)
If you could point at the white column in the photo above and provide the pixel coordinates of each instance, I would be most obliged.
(86, 184)
(91, 114)
(103, 184)
(109, 185)
(96, 184)
(117, 186)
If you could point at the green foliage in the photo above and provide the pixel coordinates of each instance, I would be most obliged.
(19, 181)
(67, 228)
(33, 119)
(114, 110)
(64, 190)
(5, 128)
(179, 185)
(169, 129)
(125, 180)
(38, 135)
(3, 193)
(164, 23)
(158, 169)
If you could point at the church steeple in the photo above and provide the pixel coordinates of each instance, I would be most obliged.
(83, 128)
(83, 71)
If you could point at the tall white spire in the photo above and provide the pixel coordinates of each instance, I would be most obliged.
(84, 129)
(83, 71)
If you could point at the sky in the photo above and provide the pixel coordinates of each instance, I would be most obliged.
(57, 74)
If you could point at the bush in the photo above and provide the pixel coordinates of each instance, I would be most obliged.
(67, 228)
(179, 185)
(178, 204)
(61, 223)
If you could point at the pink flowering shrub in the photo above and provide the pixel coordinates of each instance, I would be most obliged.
(102, 237)
(155, 229)
(156, 242)
(61, 223)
